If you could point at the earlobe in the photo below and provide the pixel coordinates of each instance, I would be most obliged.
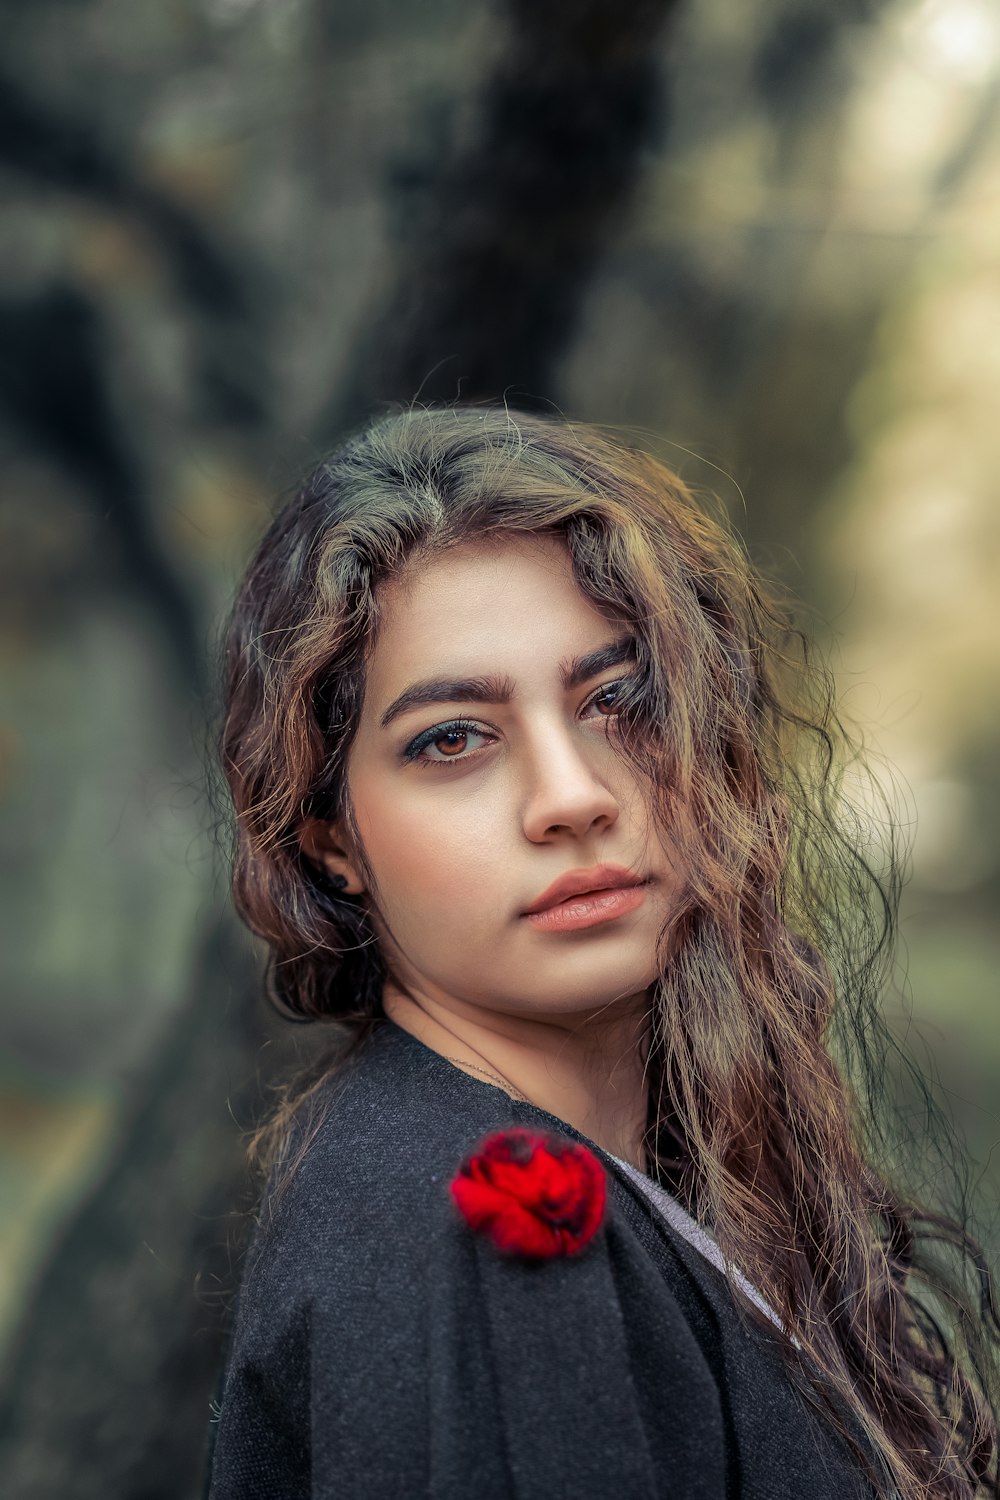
(321, 843)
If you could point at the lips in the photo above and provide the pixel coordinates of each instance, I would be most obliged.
(583, 882)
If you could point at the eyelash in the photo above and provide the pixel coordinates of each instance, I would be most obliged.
(413, 755)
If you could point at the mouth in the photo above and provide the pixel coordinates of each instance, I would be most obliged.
(587, 909)
(576, 885)
(597, 890)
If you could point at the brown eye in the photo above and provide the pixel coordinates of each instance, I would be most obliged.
(452, 734)
(610, 691)
(456, 733)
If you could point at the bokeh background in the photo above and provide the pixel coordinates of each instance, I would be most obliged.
(762, 233)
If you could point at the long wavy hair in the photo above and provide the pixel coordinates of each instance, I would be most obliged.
(769, 1112)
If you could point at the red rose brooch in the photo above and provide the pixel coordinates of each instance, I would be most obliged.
(534, 1193)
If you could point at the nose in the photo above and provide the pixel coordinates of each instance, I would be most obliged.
(567, 786)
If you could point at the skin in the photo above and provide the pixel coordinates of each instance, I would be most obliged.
(459, 850)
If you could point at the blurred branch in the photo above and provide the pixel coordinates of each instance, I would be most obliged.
(52, 381)
(69, 154)
(967, 153)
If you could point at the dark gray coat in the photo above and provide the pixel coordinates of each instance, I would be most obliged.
(381, 1349)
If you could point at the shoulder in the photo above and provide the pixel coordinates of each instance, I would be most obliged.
(383, 1346)
(379, 1328)
(357, 1291)
(377, 1147)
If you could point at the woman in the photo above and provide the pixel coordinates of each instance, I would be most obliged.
(534, 803)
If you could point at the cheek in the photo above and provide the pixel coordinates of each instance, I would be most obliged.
(431, 853)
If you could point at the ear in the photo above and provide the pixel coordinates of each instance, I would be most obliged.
(325, 845)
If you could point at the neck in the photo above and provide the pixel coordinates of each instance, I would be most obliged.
(590, 1075)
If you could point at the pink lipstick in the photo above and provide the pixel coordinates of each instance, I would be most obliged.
(589, 909)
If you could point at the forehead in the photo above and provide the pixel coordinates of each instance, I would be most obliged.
(477, 598)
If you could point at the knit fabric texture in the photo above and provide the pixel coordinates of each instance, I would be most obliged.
(689, 1229)
(381, 1348)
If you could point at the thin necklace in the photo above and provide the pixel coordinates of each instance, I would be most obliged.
(508, 1088)
(504, 1083)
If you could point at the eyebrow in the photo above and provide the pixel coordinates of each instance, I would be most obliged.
(501, 689)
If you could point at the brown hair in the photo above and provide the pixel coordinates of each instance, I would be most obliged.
(768, 1109)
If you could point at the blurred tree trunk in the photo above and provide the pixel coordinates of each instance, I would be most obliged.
(107, 1389)
(492, 276)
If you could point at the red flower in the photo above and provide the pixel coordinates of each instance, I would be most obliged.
(535, 1193)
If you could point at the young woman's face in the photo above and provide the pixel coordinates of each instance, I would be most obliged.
(465, 826)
